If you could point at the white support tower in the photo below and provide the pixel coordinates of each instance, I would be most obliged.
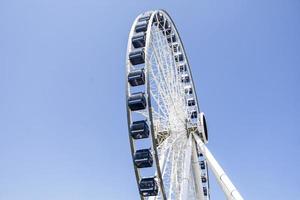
(223, 180)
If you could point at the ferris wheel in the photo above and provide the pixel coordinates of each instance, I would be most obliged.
(167, 130)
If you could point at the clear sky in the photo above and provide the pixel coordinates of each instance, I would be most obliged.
(63, 129)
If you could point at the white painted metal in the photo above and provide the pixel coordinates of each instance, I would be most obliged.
(168, 115)
(229, 189)
(186, 170)
(197, 173)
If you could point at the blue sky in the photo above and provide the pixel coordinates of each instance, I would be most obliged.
(63, 131)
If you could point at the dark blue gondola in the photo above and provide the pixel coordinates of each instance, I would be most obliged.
(182, 68)
(202, 165)
(136, 77)
(143, 158)
(148, 187)
(145, 17)
(137, 56)
(191, 102)
(139, 129)
(194, 114)
(188, 90)
(185, 78)
(179, 58)
(205, 191)
(141, 26)
(137, 101)
(138, 40)
(172, 38)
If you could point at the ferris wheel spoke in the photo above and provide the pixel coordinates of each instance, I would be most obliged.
(162, 73)
(162, 87)
(180, 168)
(160, 94)
(186, 170)
(174, 187)
(193, 187)
(159, 117)
(169, 142)
(157, 64)
(170, 65)
(143, 113)
(160, 101)
(165, 94)
(164, 159)
(170, 164)
(159, 88)
(163, 97)
(163, 111)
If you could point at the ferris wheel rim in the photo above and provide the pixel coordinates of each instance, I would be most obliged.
(154, 145)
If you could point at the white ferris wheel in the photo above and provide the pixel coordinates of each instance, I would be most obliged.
(167, 130)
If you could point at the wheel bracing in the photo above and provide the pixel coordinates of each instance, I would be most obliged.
(164, 118)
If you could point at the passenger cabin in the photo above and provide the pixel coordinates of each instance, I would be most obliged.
(205, 191)
(139, 129)
(137, 56)
(191, 102)
(143, 158)
(176, 48)
(145, 17)
(185, 78)
(139, 40)
(137, 101)
(194, 114)
(141, 26)
(182, 68)
(171, 38)
(179, 57)
(188, 89)
(136, 77)
(148, 187)
(202, 165)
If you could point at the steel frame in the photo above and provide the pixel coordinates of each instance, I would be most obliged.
(176, 138)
